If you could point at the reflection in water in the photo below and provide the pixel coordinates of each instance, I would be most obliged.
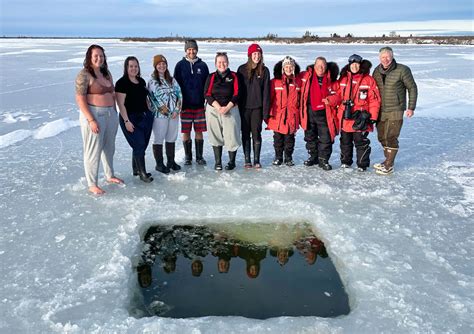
(181, 268)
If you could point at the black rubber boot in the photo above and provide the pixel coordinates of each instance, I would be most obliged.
(289, 159)
(257, 147)
(135, 168)
(140, 164)
(188, 152)
(217, 157)
(246, 146)
(312, 160)
(158, 154)
(171, 164)
(199, 144)
(324, 164)
(231, 164)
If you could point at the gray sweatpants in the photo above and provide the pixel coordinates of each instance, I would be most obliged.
(99, 146)
(224, 130)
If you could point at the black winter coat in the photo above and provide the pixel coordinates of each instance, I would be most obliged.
(254, 92)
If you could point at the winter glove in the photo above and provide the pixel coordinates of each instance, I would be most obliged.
(361, 121)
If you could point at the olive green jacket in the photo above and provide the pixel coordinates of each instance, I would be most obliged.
(393, 92)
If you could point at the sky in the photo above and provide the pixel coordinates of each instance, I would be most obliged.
(241, 18)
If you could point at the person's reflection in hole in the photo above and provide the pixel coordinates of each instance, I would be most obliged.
(223, 265)
(310, 247)
(144, 275)
(197, 268)
(253, 269)
(282, 254)
(311, 257)
(169, 264)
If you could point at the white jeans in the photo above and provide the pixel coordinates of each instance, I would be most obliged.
(165, 129)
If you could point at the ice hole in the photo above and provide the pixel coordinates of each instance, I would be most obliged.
(252, 270)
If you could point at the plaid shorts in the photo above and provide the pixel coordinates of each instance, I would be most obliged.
(193, 116)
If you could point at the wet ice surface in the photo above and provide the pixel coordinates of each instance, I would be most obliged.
(403, 245)
(258, 270)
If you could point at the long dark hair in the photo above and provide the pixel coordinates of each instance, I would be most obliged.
(168, 77)
(125, 66)
(258, 70)
(104, 69)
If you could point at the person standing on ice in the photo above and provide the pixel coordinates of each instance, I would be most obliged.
(318, 111)
(98, 118)
(254, 102)
(166, 100)
(136, 120)
(222, 112)
(284, 115)
(393, 80)
(358, 110)
(191, 73)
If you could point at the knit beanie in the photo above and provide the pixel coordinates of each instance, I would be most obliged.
(190, 44)
(254, 48)
(287, 61)
(158, 59)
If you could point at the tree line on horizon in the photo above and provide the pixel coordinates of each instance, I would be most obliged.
(308, 36)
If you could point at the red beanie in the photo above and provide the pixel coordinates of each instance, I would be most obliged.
(254, 48)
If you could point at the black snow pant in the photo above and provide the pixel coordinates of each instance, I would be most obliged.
(286, 143)
(140, 137)
(317, 137)
(252, 123)
(362, 144)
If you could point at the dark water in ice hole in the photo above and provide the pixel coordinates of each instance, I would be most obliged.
(252, 270)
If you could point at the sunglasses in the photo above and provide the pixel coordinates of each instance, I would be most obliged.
(221, 54)
(355, 59)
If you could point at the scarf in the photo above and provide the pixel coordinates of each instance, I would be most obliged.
(392, 66)
(318, 92)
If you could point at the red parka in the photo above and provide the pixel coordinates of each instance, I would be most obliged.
(365, 94)
(331, 94)
(284, 101)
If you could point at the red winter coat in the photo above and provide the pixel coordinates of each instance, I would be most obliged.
(365, 95)
(285, 102)
(331, 95)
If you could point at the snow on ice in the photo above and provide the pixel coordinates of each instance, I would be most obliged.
(403, 245)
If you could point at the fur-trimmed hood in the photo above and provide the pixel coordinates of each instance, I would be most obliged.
(277, 74)
(332, 69)
(365, 67)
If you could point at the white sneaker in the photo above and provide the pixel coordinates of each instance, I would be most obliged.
(344, 166)
(361, 169)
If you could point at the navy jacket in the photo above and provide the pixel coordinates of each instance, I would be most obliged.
(191, 78)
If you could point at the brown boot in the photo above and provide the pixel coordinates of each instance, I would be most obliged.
(388, 164)
(380, 165)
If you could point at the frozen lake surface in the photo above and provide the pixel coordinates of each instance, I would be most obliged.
(403, 245)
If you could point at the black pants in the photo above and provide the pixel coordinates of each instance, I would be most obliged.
(252, 124)
(362, 144)
(140, 137)
(282, 143)
(317, 137)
